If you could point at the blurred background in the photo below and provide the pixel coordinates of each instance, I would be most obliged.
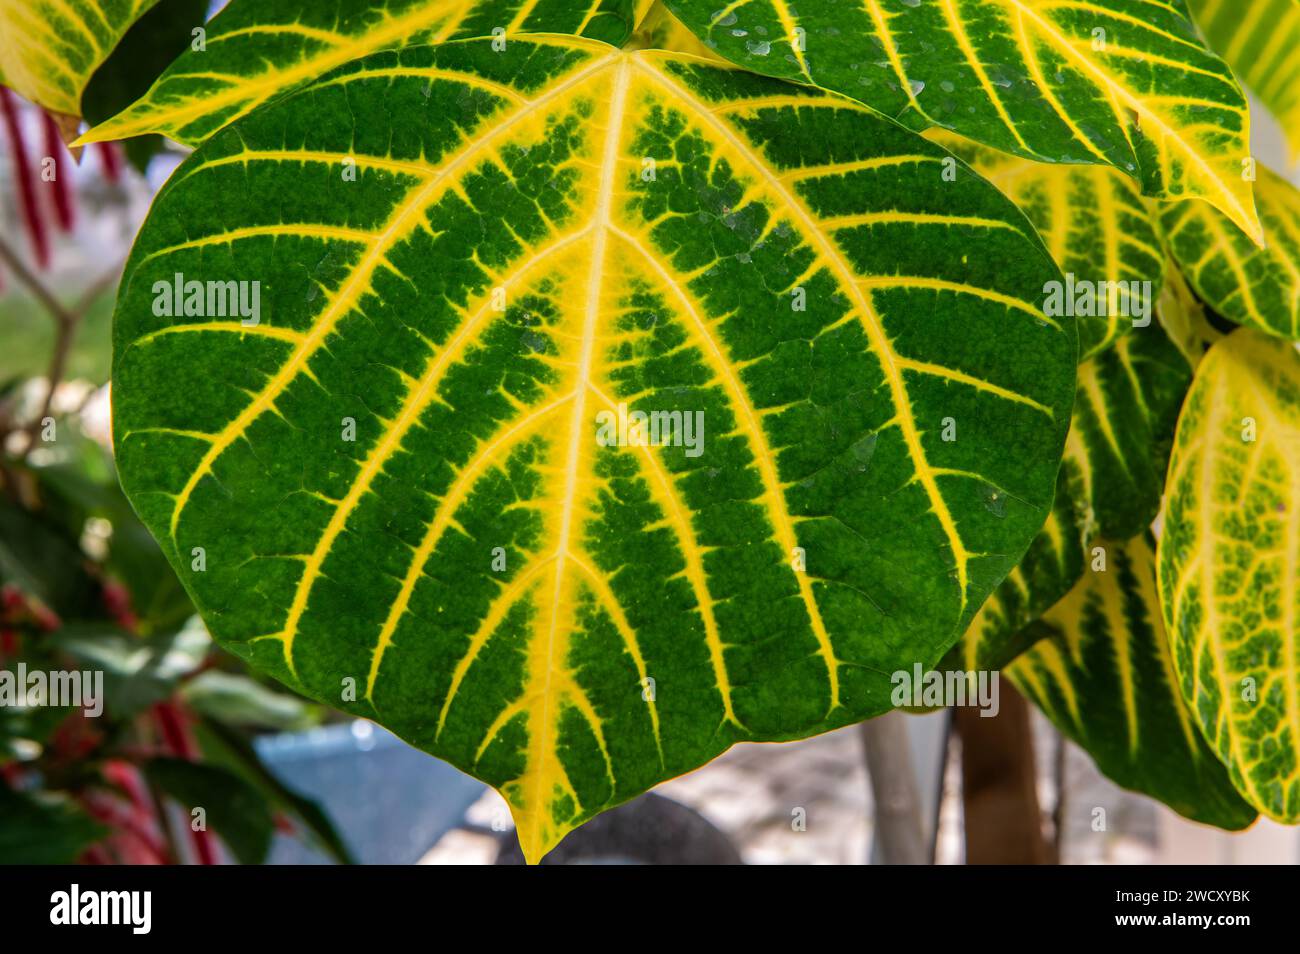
(197, 760)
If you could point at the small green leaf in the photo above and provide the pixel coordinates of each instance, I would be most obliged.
(137, 671)
(237, 700)
(42, 829)
(228, 748)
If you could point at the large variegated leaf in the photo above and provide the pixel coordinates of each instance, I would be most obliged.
(1101, 669)
(1252, 286)
(1261, 42)
(1230, 562)
(1098, 228)
(1127, 83)
(538, 240)
(257, 50)
(1110, 485)
(50, 48)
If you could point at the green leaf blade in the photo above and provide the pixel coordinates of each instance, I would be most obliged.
(1252, 286)
(479, 569)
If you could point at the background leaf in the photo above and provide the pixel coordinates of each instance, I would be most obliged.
(1261, 42)
(233, 808)
(1127, 83)
(225, 746)
(1095, 223)
(1110, 484)
(42, 830)
(50, 48)
(1228, 562)
(1100, 668)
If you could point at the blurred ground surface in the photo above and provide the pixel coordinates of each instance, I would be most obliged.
(753, 792)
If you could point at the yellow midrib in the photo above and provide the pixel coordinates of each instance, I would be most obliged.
(541, 733)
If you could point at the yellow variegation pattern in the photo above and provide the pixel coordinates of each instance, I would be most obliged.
(1260, 39)
(550, 232)
(1249, 285)
(50, 48)
(1229, 563)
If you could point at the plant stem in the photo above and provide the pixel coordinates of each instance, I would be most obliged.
(66, 321)
(999, 784)
(898, 830)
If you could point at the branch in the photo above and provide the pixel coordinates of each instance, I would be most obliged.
(66, 321)
(898, 827)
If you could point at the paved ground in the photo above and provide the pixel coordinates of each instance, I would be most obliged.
(756, 791)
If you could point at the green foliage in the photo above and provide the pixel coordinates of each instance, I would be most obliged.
(471, 241)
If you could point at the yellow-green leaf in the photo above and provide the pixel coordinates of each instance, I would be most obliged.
(1126, 83)
(1260, 39)
(1101, 670)
(1230, 562)
(1252, 286)
(406, 482)
(256, 50)
(50, 48)
(1098, 228)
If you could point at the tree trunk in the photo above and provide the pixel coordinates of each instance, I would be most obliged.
(999, 785)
